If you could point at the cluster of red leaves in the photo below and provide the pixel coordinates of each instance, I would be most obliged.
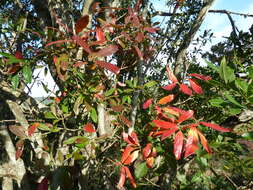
(130, 154)
(183, 87)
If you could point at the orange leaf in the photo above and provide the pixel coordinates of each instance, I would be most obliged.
(170, 86)
(32, 128)
(130, 177)
(131, 158)
(81, 23)
(127, 152)
(164, 124)
(185, 89)
(195, 86)
(150, 162)
(122, 178)
(192, 142)
(89, 128)
(147, 103)
(186, 115)
(178, 144)
(166, 99)
(171, 75)
(204, 142)
(131, 139)
(215, 127)
(125, 120)
(113, 68)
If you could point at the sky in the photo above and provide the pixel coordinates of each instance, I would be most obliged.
(218, 23)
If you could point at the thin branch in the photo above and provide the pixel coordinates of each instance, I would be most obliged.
(161, 13)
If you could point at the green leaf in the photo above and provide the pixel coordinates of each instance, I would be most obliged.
(27, 73)
(44, 127)
(234, 111)
(212, 66)
(71, 140)
(15, 81)
(150, 84)
(50, 115)
(248, 136)
(226, 73)
(109, 92)
(93, 115)
(241, 85)
(78, 102)
(250, 90)
(141, 170)
(216, 102)
(232, 100)
(250, 70)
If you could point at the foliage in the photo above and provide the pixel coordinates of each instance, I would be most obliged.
(120, 117)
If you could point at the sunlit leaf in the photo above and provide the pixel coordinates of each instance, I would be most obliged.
(108, 66)
(107, 51)
(178, 144)
(185, 89)
(130, 177)
(147, 103)
(122, 178)
(89, 128)
(192, 142)
(32, 128)
(93, 115)
(186, 115)
(199, 76)
(166, 99)
(100, 36)
(164, 124)
(215, 127)
(168, 133)
(195, 86)
(171, 75)
(169, 86)
(204, 142)
(147, 150)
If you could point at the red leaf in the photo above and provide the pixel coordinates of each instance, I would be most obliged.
(192, 142)
(100, 34)
(151, 30)
(107, 51)
(147, 103)
(122, 178)
(147, 150)
(82, 43)
(125, 120)
(167, 133)
(171, 75)
(178, 144)
(201, 77)
(139, 37)
(131, 139)
(127, 152)
(57, 42)
(204, 142)
(186, 115)
(32, 128)
(195, 86)
(81, 23)
(166, 99)
(164, 124)
(137, 49)
(132, 157)
(137, 5)
(43, 185)
(19, 148)
(215, 127)
(185, 89)
(14, 68)
(89, 128)
(170, 86)
(108, 66)
(19, 55)
(130, 177)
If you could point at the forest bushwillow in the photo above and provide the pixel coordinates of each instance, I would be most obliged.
(133, 109)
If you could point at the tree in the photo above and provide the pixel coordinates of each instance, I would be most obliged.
(120, 118)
